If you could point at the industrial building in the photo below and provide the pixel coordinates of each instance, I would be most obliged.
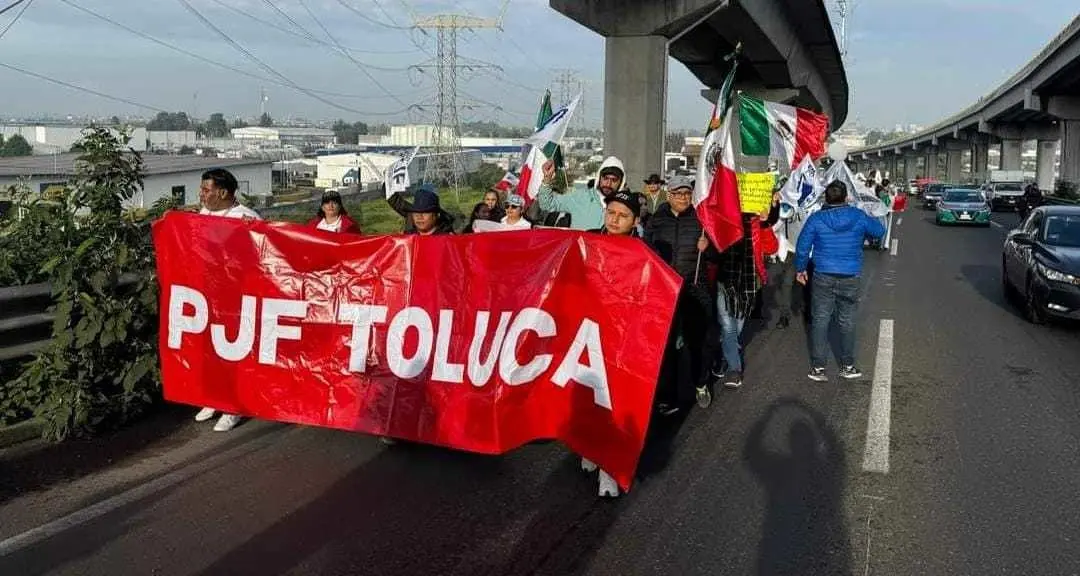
(368, 168)
(46, 139)
(163, 176)
(279, 136)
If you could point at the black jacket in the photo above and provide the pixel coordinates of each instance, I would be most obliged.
(675, 237)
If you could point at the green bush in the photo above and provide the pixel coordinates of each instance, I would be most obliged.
(101, 367)
(24, 236)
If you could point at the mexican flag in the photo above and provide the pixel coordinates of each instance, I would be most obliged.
(780, 131)
(716, 189)
(552, 150)
(542, 146)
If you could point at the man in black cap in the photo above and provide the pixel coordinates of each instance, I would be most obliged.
(654, 197)
(622, 214)
(424, 215)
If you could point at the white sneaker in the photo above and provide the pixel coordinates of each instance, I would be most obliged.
(588, 465)
(608, 487)
(226, 422)
(205, 414)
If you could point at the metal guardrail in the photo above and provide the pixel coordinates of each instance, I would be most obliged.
(25, 322)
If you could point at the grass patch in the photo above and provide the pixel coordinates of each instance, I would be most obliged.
(376, 216)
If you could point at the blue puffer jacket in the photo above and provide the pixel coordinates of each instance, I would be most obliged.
(835, 235)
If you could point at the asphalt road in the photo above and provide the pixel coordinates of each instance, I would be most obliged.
(983, 469)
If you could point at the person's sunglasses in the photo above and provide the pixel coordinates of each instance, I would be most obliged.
(509, 206)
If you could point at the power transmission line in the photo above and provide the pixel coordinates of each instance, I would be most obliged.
(79, 88)
(367, 18)
(16, 18)
(262, 64)
(280, 28)
(344, 53)
(10, 6)
(204, 59)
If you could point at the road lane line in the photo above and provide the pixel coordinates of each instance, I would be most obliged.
(899, 220)
(895, 246)
(79, 517)
(992, 223)
(876, 456)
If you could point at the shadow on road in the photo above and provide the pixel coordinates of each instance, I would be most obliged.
(37, 468)
(798, 459)
(418, 509)
(986, 280)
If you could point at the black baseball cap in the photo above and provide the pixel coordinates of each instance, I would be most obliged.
(654, 179)
(628, 199)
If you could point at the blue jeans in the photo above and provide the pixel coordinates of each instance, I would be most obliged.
(829, 295)
(730, 330)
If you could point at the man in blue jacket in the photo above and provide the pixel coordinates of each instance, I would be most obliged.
(834, 236)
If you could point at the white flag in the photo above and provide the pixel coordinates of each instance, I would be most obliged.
(397, 175)
(803, 187)
(555, 128)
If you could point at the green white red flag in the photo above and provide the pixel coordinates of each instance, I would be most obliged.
(780, 131)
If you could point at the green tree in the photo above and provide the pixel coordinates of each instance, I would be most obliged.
(16, 145)
(170, 121)
(265, 120)
(115, 121)
(216, 126)
(486, 176)
(346, 133)
(100, 369)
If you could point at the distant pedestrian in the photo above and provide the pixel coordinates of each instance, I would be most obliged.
(493, 200)
(217, 194)
(333, 217)
(653, 197)
(835, 236)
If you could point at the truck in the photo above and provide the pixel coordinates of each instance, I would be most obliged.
(1005, 190)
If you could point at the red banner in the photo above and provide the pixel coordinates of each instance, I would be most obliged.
(479, 342)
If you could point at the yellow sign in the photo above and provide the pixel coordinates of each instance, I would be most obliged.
(755, 191)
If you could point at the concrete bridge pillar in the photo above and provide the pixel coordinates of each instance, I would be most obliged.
(1069, 169)
(980, 161)
(954, 166)
(1045, 155)
(931, 162)
(1010, 154)
(635, 86)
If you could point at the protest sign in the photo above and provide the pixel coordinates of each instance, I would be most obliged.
(479, 342)
(755, 191)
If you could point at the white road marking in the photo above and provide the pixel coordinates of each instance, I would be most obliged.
(895, 246)
(899, 220)
(80, 517)
(876, 456)
(992, 223)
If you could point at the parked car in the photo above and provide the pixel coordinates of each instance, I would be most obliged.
(1040, 263)
(933, 193)
(963, 206)
(1006, 195)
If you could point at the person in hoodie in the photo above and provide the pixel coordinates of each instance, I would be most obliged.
(835, 235)
(424, 215)
(586, 206)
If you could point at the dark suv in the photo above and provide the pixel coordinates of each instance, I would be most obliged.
(934, 192)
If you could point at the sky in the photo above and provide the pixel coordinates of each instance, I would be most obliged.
(909, 61)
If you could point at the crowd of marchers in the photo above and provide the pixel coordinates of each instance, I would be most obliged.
(810, 263)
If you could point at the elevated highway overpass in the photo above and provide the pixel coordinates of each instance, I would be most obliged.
(1040, 102)
(789, 54)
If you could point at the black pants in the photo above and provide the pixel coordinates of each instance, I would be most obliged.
(689, 352)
